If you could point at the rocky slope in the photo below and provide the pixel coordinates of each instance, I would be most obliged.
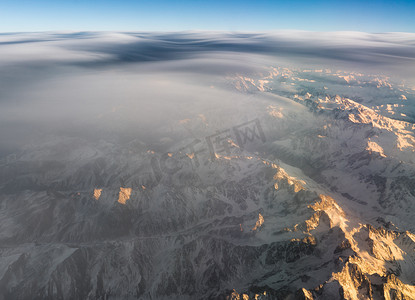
(313, 199)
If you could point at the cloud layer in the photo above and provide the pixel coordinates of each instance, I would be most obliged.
(90, 82)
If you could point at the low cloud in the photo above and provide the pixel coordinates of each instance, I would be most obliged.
(98, 83)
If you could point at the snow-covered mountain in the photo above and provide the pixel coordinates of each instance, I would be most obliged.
(300, 185)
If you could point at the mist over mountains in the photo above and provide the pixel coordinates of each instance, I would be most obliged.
(207, 165)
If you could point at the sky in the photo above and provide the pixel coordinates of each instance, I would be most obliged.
(159, 15)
